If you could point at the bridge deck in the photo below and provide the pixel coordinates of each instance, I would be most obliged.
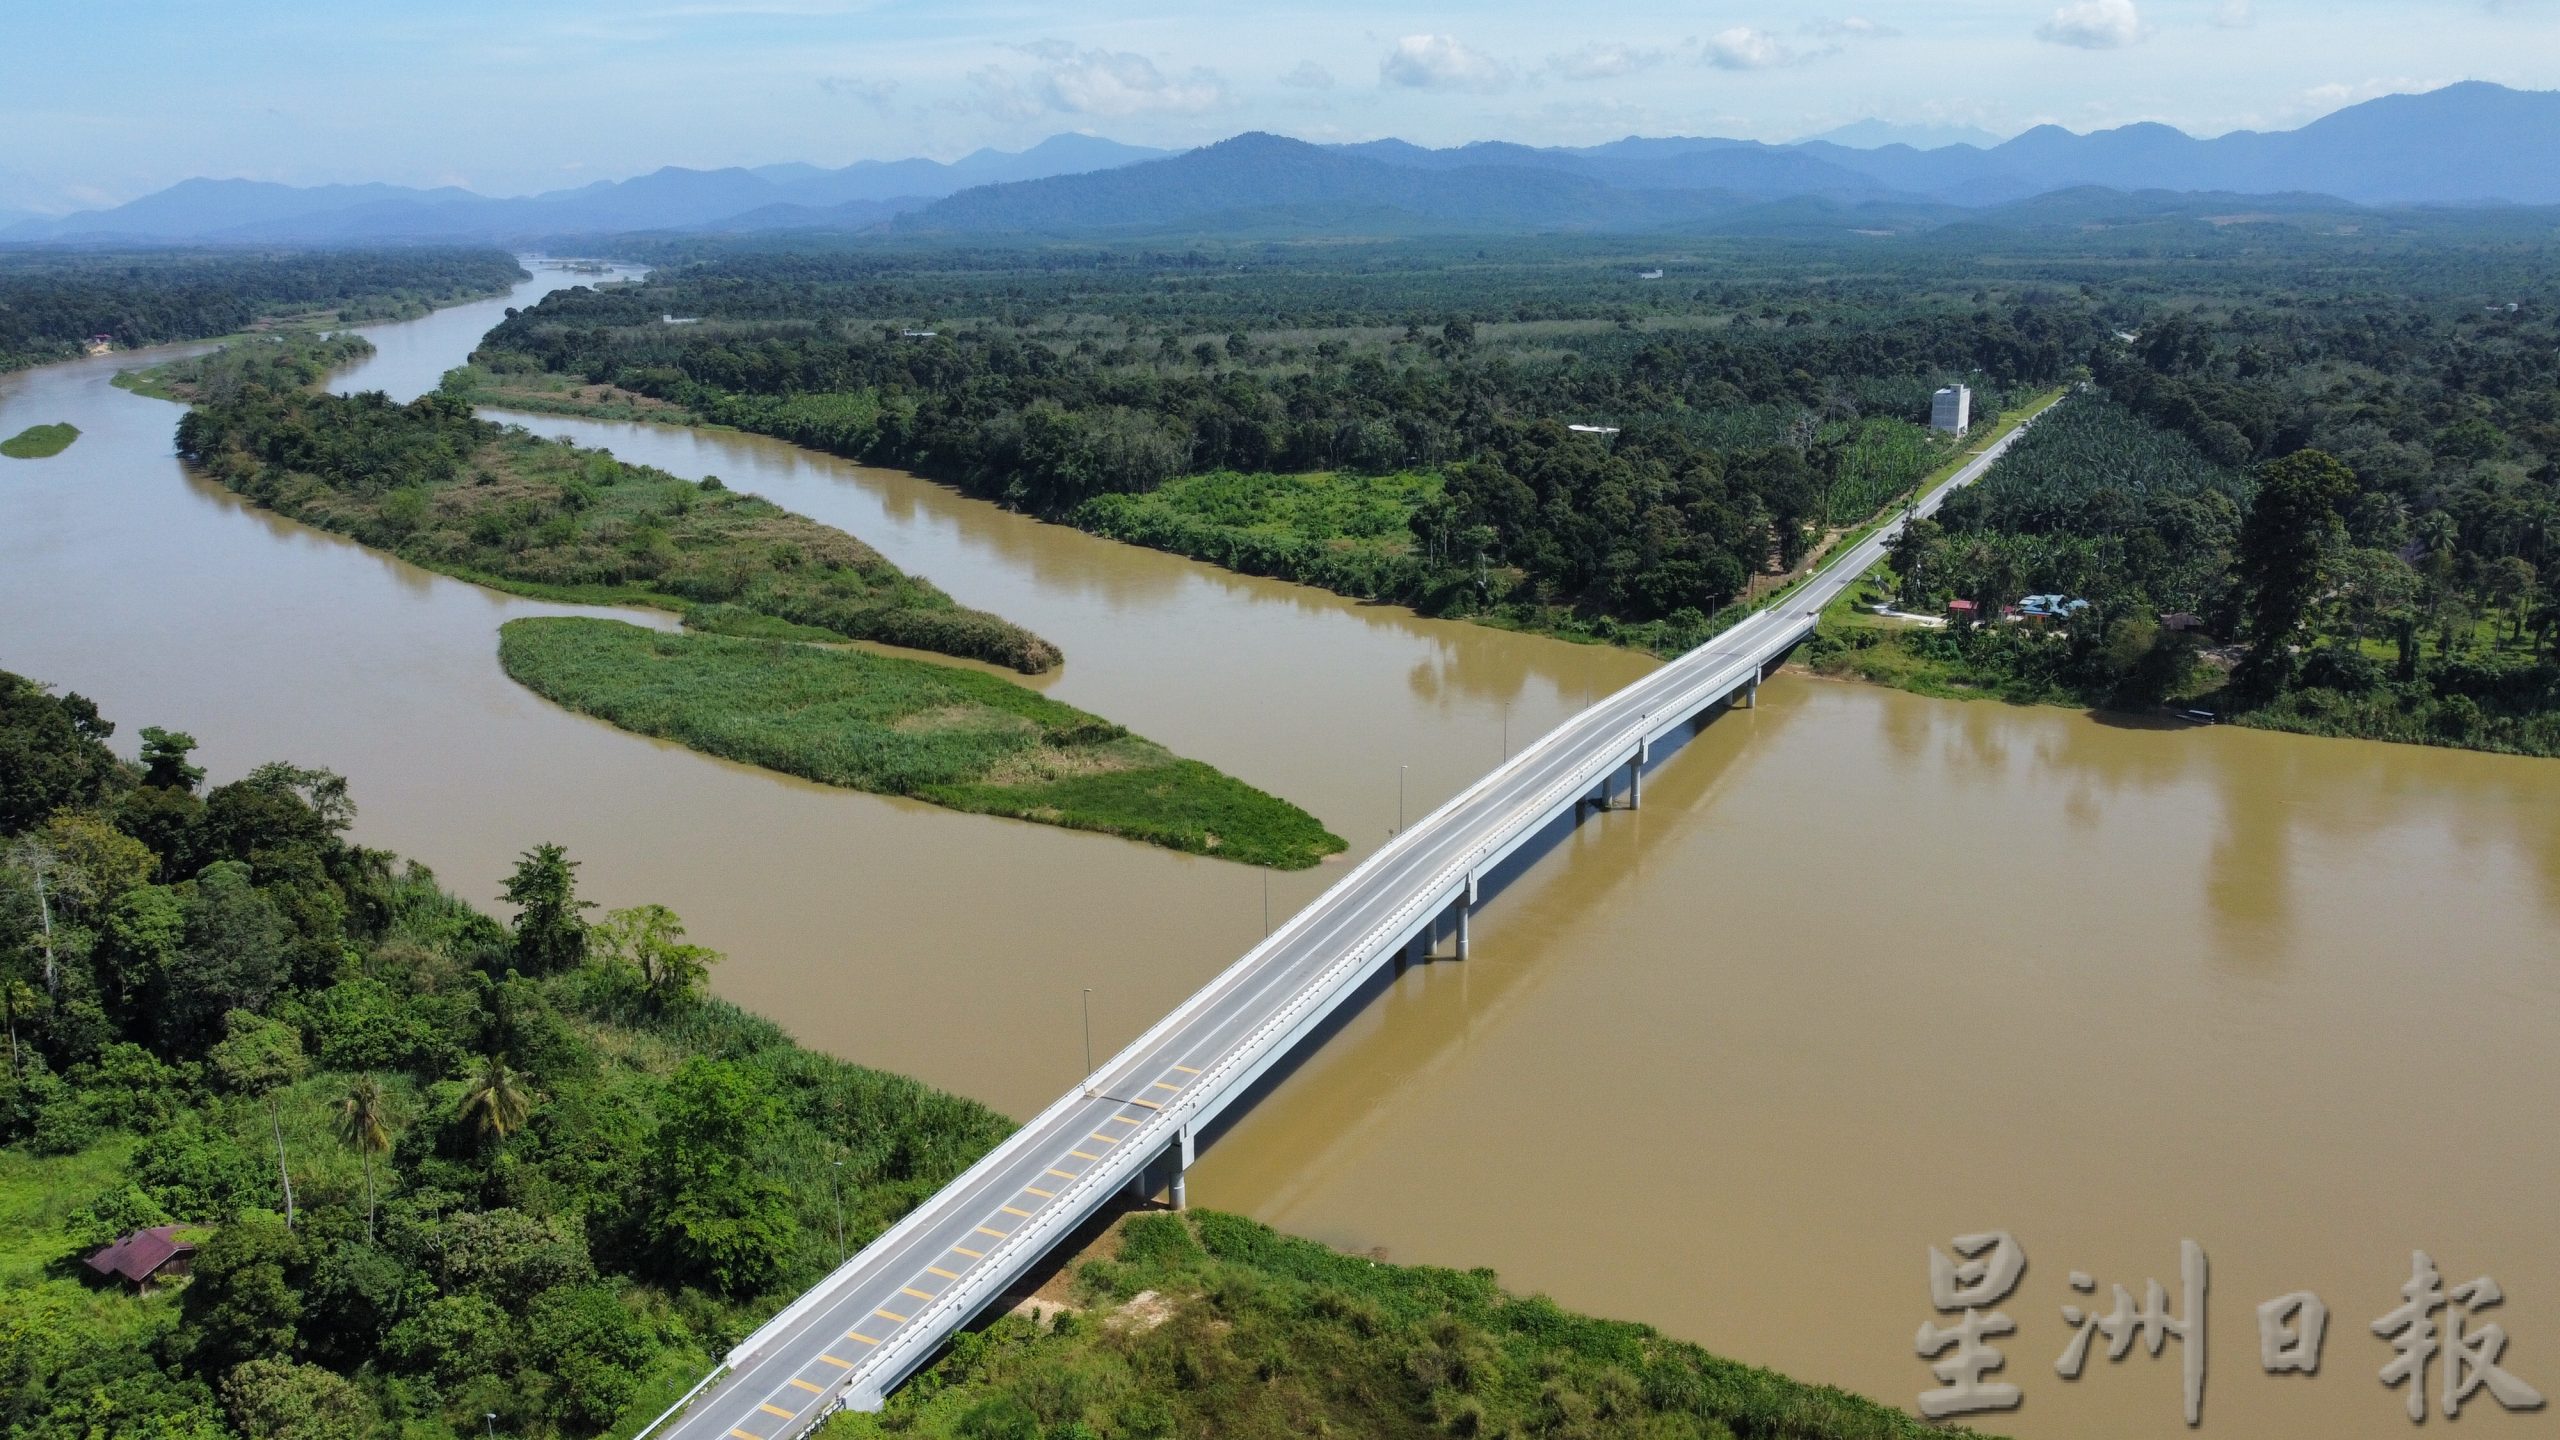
(885, 1312)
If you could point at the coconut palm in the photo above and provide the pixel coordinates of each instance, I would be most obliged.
(364, 1121)
(497, 1099)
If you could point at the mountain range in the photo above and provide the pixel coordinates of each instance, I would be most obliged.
(2466, 144)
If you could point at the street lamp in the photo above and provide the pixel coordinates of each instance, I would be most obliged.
(1400, 797)
(490, 1418)
(1088, 1034)
(835, 1187)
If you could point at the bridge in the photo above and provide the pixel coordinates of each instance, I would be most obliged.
(1134, 1125)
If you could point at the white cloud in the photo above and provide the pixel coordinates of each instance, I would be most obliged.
(1604, 62)
(2234, 15)
(875, 93)
(1441, 62)
(2094, 25)
(1850, 27)
(1308, 75)
(1108, 83)
(1743, 48)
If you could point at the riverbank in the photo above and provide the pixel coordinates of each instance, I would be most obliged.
(1204, 1323)
(59, 304)
(904, 727)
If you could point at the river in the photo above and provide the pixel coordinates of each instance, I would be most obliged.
(1866, 973)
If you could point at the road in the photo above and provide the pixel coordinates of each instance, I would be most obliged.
(886, 1312)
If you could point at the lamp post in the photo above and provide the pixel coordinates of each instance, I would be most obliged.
(1088, 1034)
(1400, 797)
(1506, 732)
(490, 1419)
(835, 1188)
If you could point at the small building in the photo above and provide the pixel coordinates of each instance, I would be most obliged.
(1951, 410)
(146, 1257)
(1656, 273)
(1593, 429)
(1960, 609)
(918, 334)
(2182, 620)
(101, 344)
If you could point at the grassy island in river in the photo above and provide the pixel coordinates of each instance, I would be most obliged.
(38, 442)
(955, 737)
(440, 488)
(495, 505)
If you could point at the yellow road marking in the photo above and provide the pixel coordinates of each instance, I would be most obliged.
(999, 1234)
(1036, 1190)
(1126, 1120)
(743, 1435)
(858, 1335)
(1164, 1085)
(775, 1410)
(890, 1315)
(1185, 1069)
(1061, 1174)
(1083, 1156)
(1018, 1214)
(1150, 1104)
(1105, 1139)
(938, 1270)
(911, 1290)
(972, 1254)
(839, 1364)
(805, 1385)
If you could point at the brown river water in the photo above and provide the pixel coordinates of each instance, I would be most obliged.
(1866, 973)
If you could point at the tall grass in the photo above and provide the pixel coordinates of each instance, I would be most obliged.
(954, 737)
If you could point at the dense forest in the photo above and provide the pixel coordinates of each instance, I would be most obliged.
(1731, 430)
(436, 1166)
(52, 301)
(2345, 508)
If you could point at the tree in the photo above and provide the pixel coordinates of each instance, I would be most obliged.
(272, 1399)
(260, 1057)
(550, 934)
(364, 1122)
(240, 1304)
(2509, 581)
(717, 1216)
(496, 1099)
(164, 759)
(53, 754)
(647, 942)
(2281, 546)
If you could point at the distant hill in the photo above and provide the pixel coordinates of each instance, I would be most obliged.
(673, 198)
(1259, 181)
(2466, 144)
(1876, 134)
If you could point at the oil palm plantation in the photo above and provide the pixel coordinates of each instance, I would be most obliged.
(496, 1099)
(364, 1122)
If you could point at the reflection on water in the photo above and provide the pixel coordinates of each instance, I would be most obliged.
(1866, 973)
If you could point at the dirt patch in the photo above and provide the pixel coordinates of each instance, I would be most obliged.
(1042, 764)
(1141, 1312)
(958, 717)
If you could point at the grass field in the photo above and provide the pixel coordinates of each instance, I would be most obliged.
(953, 737)
(36, 442)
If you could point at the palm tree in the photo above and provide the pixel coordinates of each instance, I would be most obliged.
(497, 1098)
(364, 1121)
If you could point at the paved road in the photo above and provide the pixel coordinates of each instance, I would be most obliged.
(874, 1321)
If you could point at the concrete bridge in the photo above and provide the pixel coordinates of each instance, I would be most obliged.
(1135, 1124)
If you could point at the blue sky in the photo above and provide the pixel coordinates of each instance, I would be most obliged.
(107, 101)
